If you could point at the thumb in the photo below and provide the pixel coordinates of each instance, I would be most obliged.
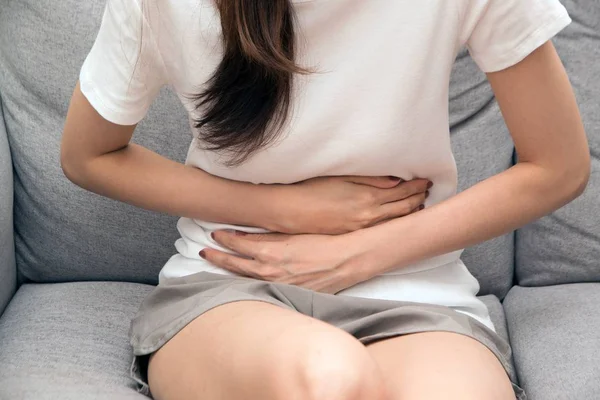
(381, 182)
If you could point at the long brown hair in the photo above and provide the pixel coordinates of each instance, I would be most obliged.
(247, 100)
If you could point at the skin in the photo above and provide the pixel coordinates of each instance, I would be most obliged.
(255, 350)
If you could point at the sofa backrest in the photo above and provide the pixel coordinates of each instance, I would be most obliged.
(564, 247)
(7, 249)
(64, 233)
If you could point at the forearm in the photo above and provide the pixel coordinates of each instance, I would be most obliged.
(140, 177)
(491, 208)
(539, 107)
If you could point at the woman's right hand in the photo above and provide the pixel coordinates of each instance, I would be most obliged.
(337, 205)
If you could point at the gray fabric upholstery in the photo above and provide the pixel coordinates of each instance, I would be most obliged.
(42, 46)
(482, 147)
(554, 335)
(69, 341)
(8, 270)
(565, 246)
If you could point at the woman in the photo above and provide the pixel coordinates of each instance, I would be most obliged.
(307, 267)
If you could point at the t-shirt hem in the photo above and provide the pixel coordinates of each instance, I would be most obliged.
(533, 41)
(107, 112)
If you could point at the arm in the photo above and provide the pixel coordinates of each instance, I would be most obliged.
(97, 155)
(540, 110)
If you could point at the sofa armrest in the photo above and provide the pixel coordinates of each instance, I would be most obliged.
(8, 269)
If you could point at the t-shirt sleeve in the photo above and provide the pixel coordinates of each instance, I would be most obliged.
(501, 33)
(124, 70)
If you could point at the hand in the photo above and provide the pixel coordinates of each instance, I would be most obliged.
(323, 263)
(337, 205)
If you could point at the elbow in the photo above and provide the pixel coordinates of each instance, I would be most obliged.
(576, 178)
(66, 164)
(582, 177)
(71, 165)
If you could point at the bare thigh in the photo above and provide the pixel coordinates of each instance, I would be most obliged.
(440, 365)
(256, 350)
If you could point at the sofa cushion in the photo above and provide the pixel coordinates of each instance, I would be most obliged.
(482, 147)
(554, 335)
(69, 341)
(564, 247)
(63, 232)
(8, 270)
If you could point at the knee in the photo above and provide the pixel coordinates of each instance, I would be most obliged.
(342, 371)
(336, 368)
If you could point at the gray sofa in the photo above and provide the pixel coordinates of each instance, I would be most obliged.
(75, 266)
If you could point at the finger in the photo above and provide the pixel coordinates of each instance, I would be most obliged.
(263, 237)
(245, 244)
(230, 262)
(403, 207)
(381, 182)
(403, 191)
(416, 210)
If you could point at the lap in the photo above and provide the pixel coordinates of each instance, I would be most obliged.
(254, 339)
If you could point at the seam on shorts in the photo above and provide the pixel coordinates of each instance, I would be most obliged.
(277, 290)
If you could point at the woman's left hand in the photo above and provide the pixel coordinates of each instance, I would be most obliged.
(319, 262)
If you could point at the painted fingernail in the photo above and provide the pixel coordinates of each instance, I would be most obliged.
(421, 207)
(202, 254)
(429, 185)
(427, 194)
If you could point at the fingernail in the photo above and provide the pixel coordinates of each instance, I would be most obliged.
(429, 185)
(240, 233)
(422, 206)
(202, 254)
(427, 194)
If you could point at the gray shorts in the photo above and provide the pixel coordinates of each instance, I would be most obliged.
(170, 307)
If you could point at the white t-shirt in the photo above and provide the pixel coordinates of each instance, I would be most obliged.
(377, 106)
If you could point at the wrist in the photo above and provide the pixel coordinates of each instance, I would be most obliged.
(365, 248)
(380, 247)
(276, 208)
